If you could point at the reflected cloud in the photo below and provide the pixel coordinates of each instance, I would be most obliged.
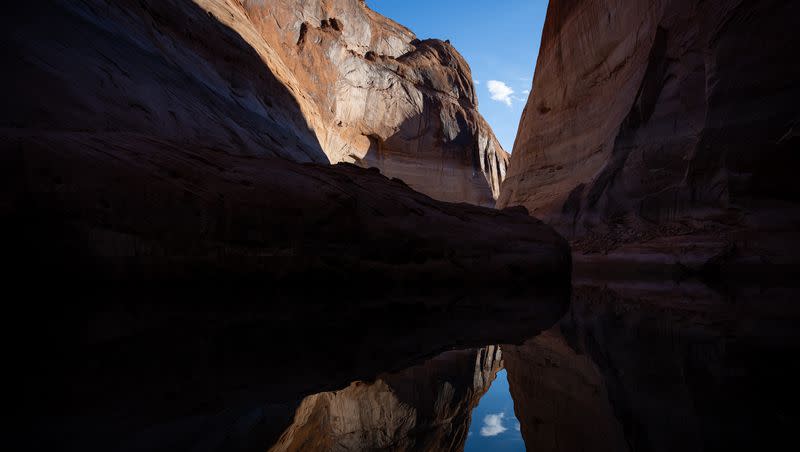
(493, 425)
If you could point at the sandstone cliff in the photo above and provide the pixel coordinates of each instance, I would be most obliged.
(386, 99)
(426, 407)
(661, 118)
(310, 81)
(150, 139)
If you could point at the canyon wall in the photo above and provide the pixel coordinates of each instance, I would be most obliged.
(386, 99)
(165, 71)
(148, 139)
(653, 118)
(308, 81)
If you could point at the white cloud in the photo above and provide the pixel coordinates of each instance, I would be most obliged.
(477, 82)
(517, 427)
(500, 91)
(493, 425)
(526, 92)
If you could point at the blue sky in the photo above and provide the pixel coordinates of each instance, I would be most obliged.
(499, 39)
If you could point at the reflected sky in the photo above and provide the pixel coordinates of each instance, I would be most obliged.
(494, 426)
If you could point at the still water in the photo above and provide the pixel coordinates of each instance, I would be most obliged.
(608, 365)
(633, 365)
(494, 425)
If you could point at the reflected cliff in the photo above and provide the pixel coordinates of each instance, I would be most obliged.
(237, 369)
(425, 407)
(635, 365)
(626, 365)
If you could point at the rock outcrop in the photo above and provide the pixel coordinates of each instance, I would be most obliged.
(161, 71)
(155, 140)
(123, 207)
(310, 81)
(386, 99)
(426, 407)
(661, 118)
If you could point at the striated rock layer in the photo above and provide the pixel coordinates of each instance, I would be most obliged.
(661, 118)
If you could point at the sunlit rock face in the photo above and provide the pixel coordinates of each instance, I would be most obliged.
(386, 99)
(660, 118)
(426, 407)
(560, 397)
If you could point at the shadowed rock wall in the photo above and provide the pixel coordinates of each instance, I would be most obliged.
(660, 118)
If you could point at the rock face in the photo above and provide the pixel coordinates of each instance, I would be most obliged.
(155, 140)
(159, 71)
(128, 208)
(387, 99)
(426, 407)
(660, 118)
(309, 81)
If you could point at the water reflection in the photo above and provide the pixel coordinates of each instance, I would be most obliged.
(632, 365)
(560, 397)
(425, 407)
(494, 425)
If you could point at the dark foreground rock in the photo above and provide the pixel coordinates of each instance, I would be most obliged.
(127, 207)
(151, 141)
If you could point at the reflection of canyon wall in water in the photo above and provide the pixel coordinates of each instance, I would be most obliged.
(180, 369)
(689, 369)
(663, 117)
(560, 397)
(426, 407)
